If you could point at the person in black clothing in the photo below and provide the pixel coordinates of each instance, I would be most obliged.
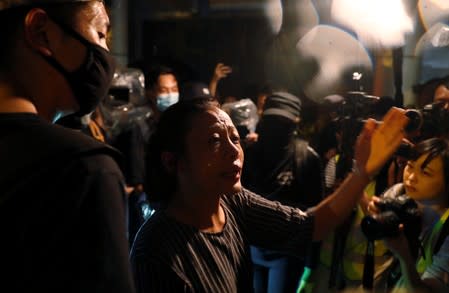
(61, 192)
(290, 172)
(199, 240)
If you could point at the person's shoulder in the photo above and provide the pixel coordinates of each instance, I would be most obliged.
(70, 138)
(242, 197)
(394, 191)
(304, 146)
(48, 136)
(67, 142)
(34, 145)
(158, 236)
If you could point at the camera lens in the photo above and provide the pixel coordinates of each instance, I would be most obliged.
(415, 120)
(380, 226)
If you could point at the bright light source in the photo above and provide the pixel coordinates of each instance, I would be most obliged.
(273, 10)
(377, 23)
(357, 75)
(339, 55)
(305, 12)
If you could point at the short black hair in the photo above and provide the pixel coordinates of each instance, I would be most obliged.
(11, 22)
(152, 75)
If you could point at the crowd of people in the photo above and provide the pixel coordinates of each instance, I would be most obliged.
(234, 208)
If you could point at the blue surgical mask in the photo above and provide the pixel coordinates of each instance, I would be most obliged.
(166, 100)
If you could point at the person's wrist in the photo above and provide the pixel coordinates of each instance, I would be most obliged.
(360, 172)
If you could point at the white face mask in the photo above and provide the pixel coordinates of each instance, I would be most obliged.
(166, 100)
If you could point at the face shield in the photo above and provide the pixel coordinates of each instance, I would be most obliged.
(243, 114)
(125, 104)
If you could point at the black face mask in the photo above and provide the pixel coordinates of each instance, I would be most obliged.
(90, 83)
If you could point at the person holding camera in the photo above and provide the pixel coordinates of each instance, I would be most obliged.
(424, 267)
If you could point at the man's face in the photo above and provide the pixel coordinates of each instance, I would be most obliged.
(93, 24)
(167, 84)
(49, 37)
(165, 92)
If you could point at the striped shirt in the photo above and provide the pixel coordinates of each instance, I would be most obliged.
(168, 256)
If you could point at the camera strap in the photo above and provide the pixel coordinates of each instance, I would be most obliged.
(336, 275)
(440, 230)
(368, 268)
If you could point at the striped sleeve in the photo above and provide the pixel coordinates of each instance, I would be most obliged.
(153, 276)
(269, 224)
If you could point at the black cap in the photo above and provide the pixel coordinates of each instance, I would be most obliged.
(194, 90)
(283, 104)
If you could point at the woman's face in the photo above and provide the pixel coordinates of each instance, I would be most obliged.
(425, 184)
(213, 159)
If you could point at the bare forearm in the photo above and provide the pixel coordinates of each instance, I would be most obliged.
(213, 86)
(335, 208)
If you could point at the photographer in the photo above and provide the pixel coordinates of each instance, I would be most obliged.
(425, 180)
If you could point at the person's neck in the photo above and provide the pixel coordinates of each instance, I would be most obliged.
(202, 212)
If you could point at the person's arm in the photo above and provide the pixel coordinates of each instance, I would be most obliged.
(220, 71)
(434, 279)
(411, 277)
(88, 243)
(412, 280)
(373, 148)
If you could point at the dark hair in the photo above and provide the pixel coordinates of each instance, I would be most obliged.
(152, 76)
(433, 147)
(170, 135)
(11, 21)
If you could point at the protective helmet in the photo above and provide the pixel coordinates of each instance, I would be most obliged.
(6, 4)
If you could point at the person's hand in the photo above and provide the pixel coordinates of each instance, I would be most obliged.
(251, 138)
(373, 209)
(221, 71)
(398, 245)
(375, 146)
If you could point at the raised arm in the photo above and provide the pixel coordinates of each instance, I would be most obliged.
(220, 71)
(374, 147)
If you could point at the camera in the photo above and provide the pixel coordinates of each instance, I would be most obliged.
(394, 211)
(351, 114)
(431, 121)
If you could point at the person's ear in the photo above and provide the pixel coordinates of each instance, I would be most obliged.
(169, 161)
(36, 31)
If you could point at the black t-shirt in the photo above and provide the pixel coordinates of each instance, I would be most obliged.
(294, 179)
(61, 211)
